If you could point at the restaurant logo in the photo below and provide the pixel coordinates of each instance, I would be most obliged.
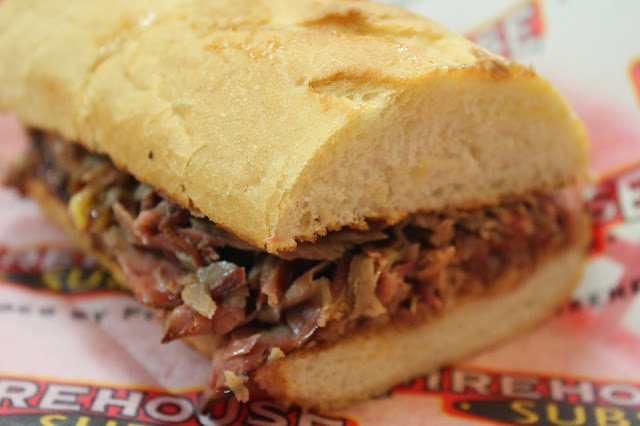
(526, 399)
(634, 71)
(515, 33)
(28, 401)
(611, 202)
(524, 412)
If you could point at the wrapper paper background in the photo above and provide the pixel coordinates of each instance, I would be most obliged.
(89, 355)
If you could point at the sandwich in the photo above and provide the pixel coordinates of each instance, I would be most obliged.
(325, 197)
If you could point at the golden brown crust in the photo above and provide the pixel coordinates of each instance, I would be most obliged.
(279, 120)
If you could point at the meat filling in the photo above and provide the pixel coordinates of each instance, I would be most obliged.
(206, 281)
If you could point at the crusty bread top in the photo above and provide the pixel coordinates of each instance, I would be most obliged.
(281, 119)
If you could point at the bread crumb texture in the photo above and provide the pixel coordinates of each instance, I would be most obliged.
(282, 119)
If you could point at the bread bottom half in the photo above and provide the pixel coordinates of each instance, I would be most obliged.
(370, 362)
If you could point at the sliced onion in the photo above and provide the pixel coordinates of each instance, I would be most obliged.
(197, 296)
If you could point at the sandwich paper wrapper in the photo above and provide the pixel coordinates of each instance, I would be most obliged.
(88, 355)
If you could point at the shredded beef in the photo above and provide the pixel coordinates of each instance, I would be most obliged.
(207, 281)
